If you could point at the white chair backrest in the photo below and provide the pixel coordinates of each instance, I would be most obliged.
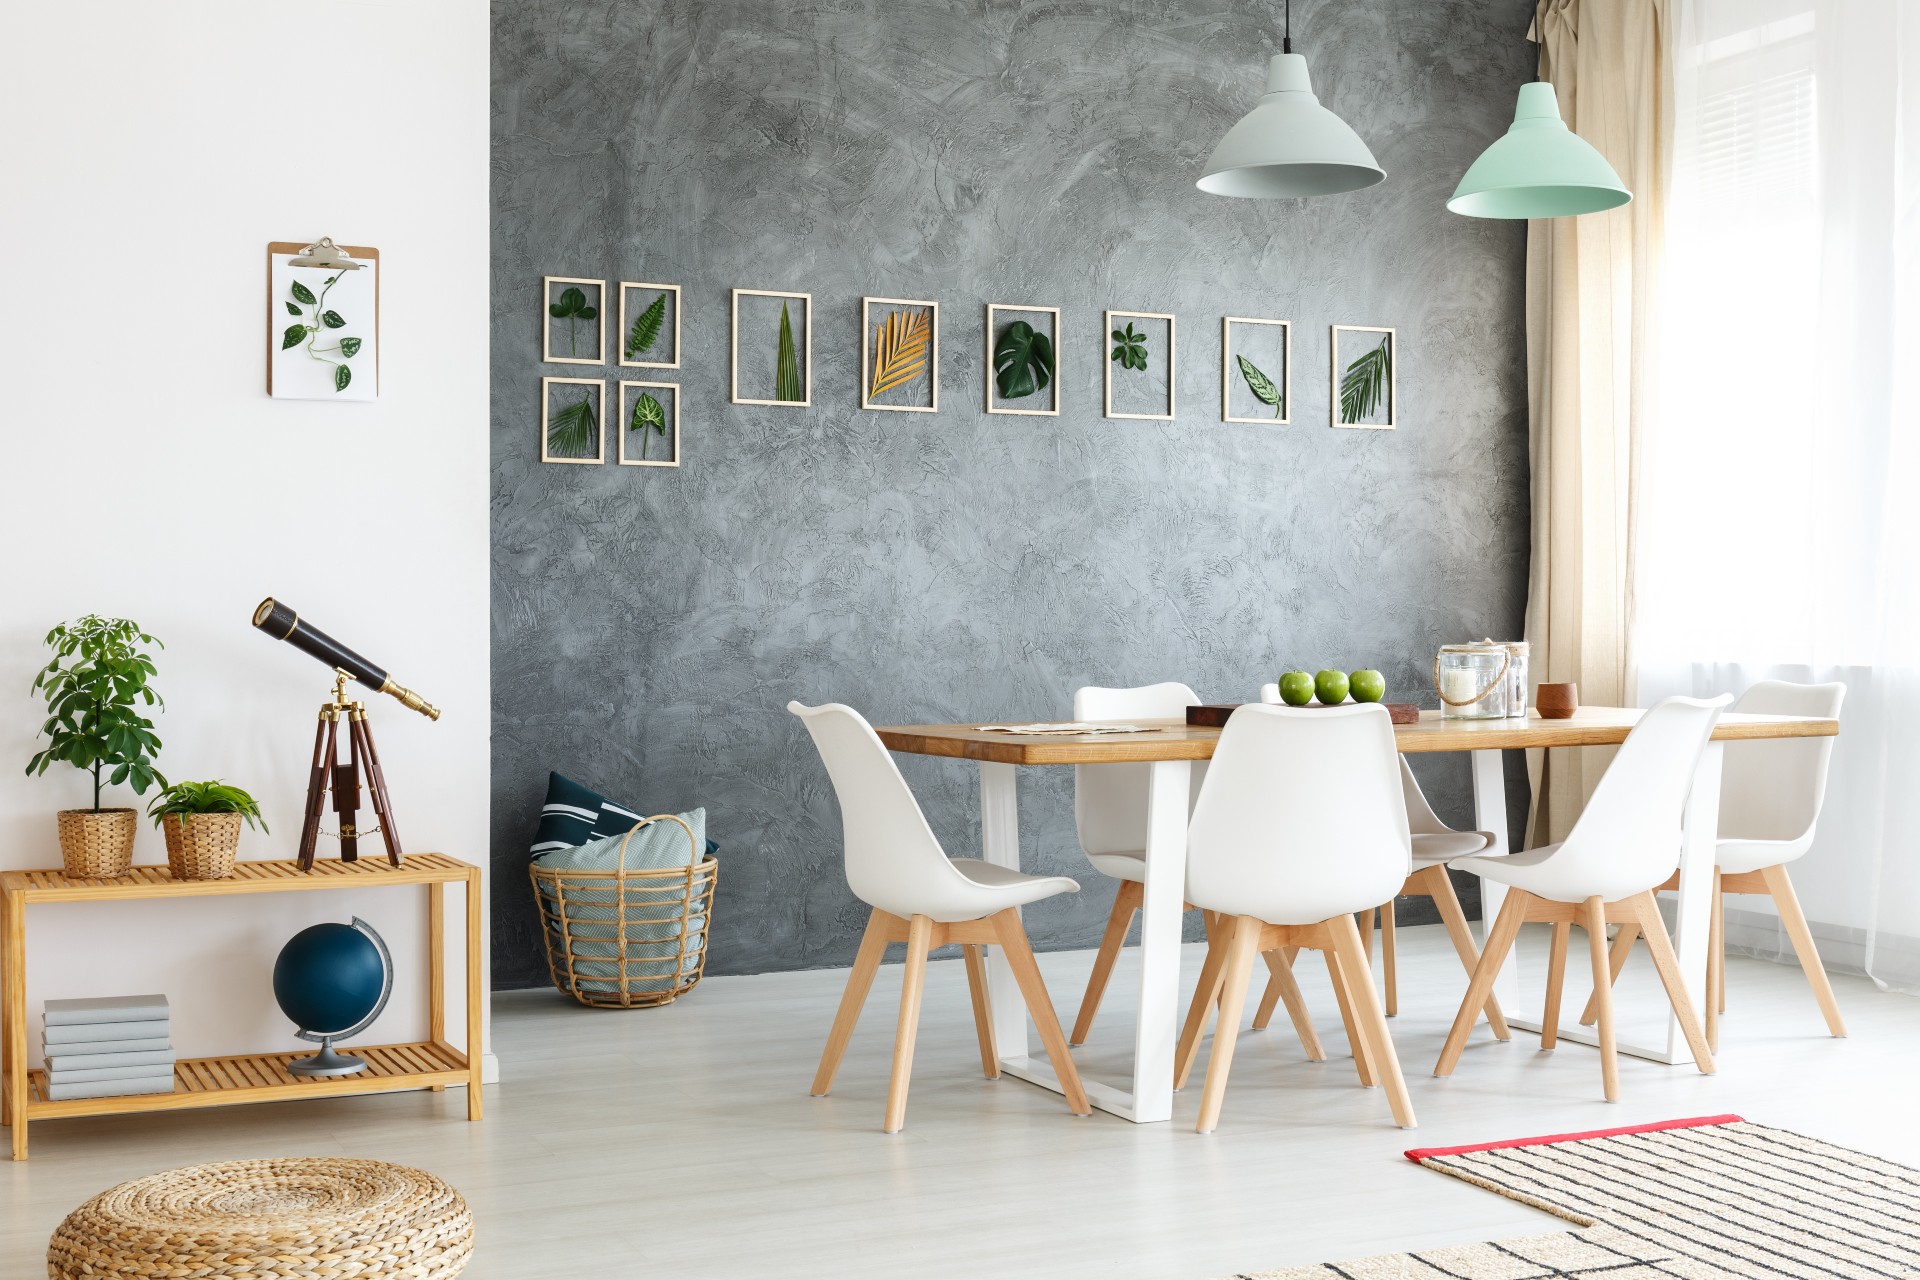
(1421, 819)
(894, 861)
(1772, 788)
(1110, 800)
(1627, 839)
(1302, 816)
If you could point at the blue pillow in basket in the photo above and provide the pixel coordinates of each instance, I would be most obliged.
(655, 913)
(574, 814)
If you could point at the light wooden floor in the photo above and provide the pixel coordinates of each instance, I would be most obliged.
(682, 1142)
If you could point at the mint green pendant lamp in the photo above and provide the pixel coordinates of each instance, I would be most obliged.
(1539, 168)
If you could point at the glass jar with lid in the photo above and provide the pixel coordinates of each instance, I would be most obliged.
(1471, 680)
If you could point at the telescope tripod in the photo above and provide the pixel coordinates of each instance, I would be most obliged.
(343, 779)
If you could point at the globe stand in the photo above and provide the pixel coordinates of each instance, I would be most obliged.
(327, 1062)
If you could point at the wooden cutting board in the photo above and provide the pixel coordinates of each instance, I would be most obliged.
(1214, 715)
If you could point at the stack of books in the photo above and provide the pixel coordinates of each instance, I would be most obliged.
(108, 1046)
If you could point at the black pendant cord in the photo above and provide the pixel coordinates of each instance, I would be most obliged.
(1286, 38)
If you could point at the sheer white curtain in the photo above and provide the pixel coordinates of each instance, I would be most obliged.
(1780, 525)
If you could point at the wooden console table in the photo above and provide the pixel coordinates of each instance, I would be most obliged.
(253, 1077)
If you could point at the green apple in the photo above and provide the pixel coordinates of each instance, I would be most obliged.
(1330, 686)
(1296, 688)
(1368, 685)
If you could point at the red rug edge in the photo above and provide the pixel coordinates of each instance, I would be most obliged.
(1419, 1154)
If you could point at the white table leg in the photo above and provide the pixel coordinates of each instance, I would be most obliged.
(1000, 845)
(1692, 919)
(1163, 900)
(1490, 815)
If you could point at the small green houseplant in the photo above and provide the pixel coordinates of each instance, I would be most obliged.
(201, 821)
(96, 687)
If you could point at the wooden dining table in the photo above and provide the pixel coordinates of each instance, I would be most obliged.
(1170, 748)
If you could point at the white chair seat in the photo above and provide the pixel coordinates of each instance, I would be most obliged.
(1429, 848)
(1012, 888)
(1533, 871)
(1121, 866)
(1738, 857)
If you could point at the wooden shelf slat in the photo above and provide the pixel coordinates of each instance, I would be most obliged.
(263, 1077)
(260, 876)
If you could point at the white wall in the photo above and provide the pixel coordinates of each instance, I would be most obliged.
(153, 151)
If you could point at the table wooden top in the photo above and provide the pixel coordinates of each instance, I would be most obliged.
(263, 876)
(1174, 740)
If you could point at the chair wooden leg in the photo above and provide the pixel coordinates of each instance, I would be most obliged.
(1716, 963)
(1660, 947)
(1372, 1018)
(982, 1011)
(912, 985)
(1388, 959)
(1623, 939)
(1281, 986)
(1356, 1039)
(1018, 953)
(1506, 927)
(1205, 992)
(1556, 979)
(1243, 944)
(1787, 902)
(873, 948)
(1594, 919)
(1440, 888)
(1119, 920)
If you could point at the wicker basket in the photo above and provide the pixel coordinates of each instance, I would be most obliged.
(625, 939)
(97, 845)
(201, 846)
(299, 1218)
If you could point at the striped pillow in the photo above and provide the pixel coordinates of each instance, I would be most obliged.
(574, 814)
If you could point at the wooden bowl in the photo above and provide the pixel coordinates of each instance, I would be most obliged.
(1556, 701)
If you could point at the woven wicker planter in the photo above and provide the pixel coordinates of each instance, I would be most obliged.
(201, 846)
(97, 845)
(314, 1218)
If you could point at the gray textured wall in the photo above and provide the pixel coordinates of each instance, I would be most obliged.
(649, 626)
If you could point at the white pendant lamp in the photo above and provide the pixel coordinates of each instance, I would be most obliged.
(1289, 145)
(1539, 168)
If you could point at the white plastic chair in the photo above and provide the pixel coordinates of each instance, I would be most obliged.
(1434, 845)
(1771, 793)
(1625, 844)
(1301, 824)
(922, 898)
(1110, 812)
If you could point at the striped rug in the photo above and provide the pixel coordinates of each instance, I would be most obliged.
(1709, 1198)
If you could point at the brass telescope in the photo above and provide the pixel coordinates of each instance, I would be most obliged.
(329, 773)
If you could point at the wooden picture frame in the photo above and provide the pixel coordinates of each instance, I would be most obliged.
(621, 426)
(805, 354)
(277, 316)
(1173, 363)
(993, 308)
(869, 341)
(597, 396)
(547, 320)
(620, 334)
(1230, 372)
(1391, 345)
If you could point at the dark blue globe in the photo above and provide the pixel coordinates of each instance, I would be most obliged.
(328, 978)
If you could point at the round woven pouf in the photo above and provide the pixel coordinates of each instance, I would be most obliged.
(309, 1217)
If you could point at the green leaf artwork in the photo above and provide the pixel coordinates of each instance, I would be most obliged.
(1261, 385)
(1363, 387)
(314, 324)
(570, 432)
(786, 375)
(571, 307)
(646, 327)
(1022, 361)
(1130, 348)
(647, 412)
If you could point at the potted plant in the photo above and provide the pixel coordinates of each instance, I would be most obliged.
(94, 687)
(201, 821)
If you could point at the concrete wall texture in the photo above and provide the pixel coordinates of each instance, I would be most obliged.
(649, 625)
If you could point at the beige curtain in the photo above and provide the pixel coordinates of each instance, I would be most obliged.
(1590, 304)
